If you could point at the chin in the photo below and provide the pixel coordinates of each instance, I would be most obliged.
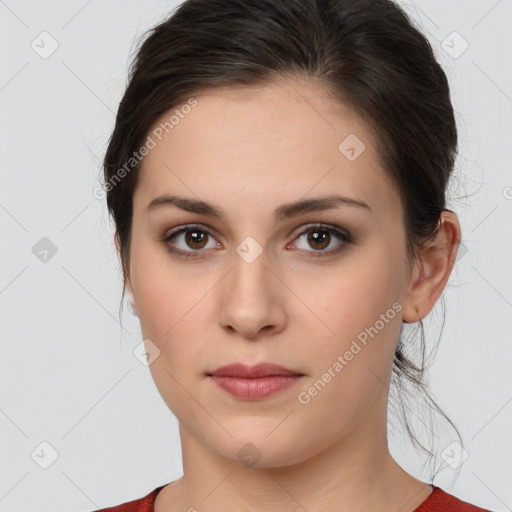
(268, 448)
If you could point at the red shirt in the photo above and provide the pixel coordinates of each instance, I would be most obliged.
(438, 501)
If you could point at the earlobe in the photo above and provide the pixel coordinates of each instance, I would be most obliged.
(410, 310)
(117, 243)
(131, 305)
(127, 283)
(131, 298)
(410, 317)
(432, 269)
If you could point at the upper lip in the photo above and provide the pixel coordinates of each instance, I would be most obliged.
(252, 372)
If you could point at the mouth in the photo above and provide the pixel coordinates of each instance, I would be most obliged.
(254, 372)
(254, 382)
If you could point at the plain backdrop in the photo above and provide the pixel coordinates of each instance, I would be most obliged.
(82, 425)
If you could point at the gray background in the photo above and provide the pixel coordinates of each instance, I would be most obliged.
(69, 376)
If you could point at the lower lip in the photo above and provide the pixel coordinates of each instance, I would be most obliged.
(257, 388)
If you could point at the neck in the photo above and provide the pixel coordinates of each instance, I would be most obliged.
(352, 474)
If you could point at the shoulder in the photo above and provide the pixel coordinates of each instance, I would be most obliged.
(440, 501)
(144, 504)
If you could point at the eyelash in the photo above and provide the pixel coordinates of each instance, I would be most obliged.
(344, 236)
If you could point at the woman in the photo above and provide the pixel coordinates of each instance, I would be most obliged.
(277, 177)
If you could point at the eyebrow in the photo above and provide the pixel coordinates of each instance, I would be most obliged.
(284, 211)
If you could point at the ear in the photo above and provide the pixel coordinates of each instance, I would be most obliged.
(432, 269)
(127, 283)
(117, 243)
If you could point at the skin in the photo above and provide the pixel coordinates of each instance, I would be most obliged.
(248, 151)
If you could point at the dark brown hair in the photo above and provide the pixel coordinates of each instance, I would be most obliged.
(366, 54)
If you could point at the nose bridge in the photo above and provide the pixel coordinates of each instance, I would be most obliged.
(251, 299)
(249, 270)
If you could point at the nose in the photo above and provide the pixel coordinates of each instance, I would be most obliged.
(253, 299)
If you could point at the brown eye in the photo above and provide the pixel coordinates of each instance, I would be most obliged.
(189, 241)
(195, 239)
(320, 237)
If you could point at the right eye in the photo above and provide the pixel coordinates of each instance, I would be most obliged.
(192, 238)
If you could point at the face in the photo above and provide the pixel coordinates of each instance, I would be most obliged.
(316, 289)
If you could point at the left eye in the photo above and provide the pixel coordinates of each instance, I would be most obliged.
(321, 237)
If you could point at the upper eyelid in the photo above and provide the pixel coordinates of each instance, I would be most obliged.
(186, 227)
(321, 225)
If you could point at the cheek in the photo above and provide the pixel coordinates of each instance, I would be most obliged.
(164, 292)
(356, 297)
(350, 367)
(172, 313)
(360, 306)
(169, 309)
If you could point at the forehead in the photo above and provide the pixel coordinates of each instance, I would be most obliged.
(281, 139)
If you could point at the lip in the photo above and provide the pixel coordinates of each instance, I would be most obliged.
(253, 372)
(254, 382)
